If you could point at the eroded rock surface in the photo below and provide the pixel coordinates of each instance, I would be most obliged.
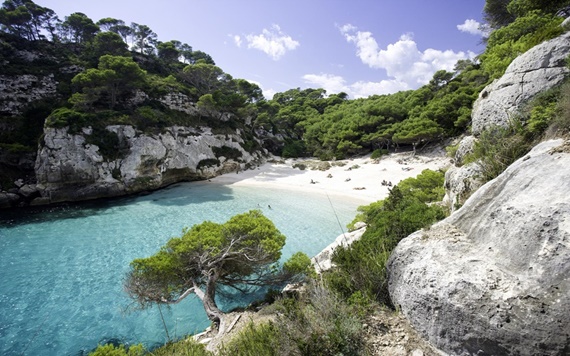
(494, 277)
(18, 91)
(68, 168)
(539, 69)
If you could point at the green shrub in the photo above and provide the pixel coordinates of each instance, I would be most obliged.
(379, 153)
(540, 118)
(537, 115)
(250, 144)
(498, 147)
(560, 125)
(426, 187)
(120, 350)
(361, 302)
(16, 148)
(294, 149)
(318, 323)
(110, 146)
(299, 264)
(253, 340)
(361, 267)
(186, 347)
(146, 117)
(63, 117)
(452, 150)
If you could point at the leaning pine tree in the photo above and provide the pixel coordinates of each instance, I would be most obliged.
(241, 253)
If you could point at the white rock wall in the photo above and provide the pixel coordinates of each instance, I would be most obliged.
(66, 166)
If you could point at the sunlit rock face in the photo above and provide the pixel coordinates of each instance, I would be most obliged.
(493, 278)
(537, 70)
(69, 168)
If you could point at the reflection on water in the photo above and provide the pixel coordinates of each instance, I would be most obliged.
(175, 195)
(62, 268)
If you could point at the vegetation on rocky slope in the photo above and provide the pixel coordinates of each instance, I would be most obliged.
(100, 82)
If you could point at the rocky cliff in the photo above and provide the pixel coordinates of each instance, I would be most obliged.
(492, 279)
(535, 71)
(69, 168)
(166, 137)
(18, 91)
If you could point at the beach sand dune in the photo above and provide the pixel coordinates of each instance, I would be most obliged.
(362, 179)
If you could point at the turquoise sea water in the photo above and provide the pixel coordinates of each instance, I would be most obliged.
(61, 270)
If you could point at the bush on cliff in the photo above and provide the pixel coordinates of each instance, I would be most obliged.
(318, 323)
(408, 208)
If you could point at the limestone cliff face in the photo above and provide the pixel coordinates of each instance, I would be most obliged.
(18, 91)
(68, 168)
(492, 279)
(535, 71)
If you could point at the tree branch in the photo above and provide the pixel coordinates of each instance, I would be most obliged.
(183, 295)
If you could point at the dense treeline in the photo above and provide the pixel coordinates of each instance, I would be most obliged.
(118, 62)
(108, 72)
(332, 126)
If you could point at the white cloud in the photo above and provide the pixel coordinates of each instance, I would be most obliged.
(268, 93)
(237, 40)
(365, 89)
(331, 83)
(405, 65)
(272, 41)
(471, 26)
(334, 84)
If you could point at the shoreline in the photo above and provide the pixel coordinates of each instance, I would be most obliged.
(359, 179)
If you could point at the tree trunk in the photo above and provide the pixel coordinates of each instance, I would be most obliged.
(210, 306)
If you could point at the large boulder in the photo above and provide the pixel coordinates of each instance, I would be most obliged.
(539, 69)
(493, 278)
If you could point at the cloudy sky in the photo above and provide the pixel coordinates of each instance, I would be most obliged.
(361, 47)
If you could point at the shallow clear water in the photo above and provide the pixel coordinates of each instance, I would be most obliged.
(61, 270)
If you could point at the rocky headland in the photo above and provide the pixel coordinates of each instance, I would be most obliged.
(492, 278)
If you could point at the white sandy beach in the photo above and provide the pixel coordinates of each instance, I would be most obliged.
(359, 178)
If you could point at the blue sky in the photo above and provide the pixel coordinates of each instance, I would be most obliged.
(361, 47)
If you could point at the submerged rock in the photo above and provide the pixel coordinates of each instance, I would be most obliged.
(493, 278)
